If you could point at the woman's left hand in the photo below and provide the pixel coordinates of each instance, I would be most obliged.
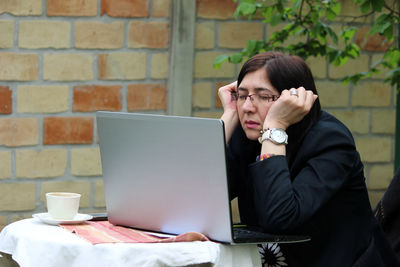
(289, 108)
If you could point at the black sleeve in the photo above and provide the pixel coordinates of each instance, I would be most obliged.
(324, 162)
(235, 161)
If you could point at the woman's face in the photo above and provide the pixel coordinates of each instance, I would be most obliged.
(252, 112)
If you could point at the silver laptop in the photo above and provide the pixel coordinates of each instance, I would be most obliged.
(168, 174)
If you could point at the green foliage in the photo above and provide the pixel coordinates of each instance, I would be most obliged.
(309, 21)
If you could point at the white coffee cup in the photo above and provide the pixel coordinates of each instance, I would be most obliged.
(62, 205)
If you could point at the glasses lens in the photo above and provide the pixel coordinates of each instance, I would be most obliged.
(256, 98)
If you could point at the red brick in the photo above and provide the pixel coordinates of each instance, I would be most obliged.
(146, 97)
(67, 130)
(374, 43)
(5, 100)
(216, 9)
(125, 8)
(97, 97)
(71, 8)
(149, 34)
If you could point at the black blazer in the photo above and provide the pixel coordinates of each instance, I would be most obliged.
(387, 212)
(321, 194)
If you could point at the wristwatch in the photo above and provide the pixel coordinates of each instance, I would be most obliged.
(275, 135)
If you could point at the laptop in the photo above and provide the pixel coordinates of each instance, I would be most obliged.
(168, 174)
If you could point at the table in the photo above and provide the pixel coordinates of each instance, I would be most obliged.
(32, 243)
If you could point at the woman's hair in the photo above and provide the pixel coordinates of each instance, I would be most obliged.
(286, 72)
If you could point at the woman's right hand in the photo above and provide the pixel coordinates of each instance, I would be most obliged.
(230, 116)
(225, 95)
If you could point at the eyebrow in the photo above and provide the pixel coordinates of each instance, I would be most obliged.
(258, 89)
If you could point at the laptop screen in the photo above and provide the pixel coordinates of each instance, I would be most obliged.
(165, 173)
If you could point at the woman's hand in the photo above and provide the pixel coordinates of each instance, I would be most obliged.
(230, 116)
(225, 95)
(290, 108)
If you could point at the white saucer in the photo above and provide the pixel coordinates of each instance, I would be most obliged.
(46, 218)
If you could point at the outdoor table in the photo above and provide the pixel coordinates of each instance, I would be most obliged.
(31, 243)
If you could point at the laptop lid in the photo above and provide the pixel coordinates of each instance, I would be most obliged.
(165, 173)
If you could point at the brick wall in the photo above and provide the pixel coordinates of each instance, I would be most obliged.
(61, 61)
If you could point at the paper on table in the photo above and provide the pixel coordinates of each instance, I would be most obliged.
(158, 234)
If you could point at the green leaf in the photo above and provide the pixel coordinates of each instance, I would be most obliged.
(236, 58)
(330, 14)
(332, 34)
(280, 6)
(355, 78)
(332, 55)
(360, 1)
(394, 80)
(353, 51)
(380, 28)
(341, 61)
(332, 10)
(318, 31)
(267, 13)
(388, 33)
(248, 1)
(365, 7)
(377, 5)
(247, 8)
(392, 57)
(237, 13)
(382, 19)
(381, 24)
(336, 7)
(251, 46)
(314, 16)
(348, 34)
(346, 80)
(275, 19)
(219, 60)
(296, 4)
(374, 71)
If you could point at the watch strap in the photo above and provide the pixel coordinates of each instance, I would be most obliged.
(266, 134)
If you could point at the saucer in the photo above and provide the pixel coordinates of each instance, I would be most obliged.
(46, 218)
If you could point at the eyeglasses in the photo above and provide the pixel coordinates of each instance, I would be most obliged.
(254, 98)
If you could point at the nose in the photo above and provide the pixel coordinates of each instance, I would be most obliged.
(248, 105)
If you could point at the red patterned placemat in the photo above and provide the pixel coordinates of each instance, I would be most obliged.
(98, 232)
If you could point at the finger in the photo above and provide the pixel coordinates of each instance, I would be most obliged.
(232, 86)
(293, 93)
(301, 91)
(285, 93)
(310, 100)
(227, 88)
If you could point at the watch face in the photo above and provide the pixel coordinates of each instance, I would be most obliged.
(278, 136)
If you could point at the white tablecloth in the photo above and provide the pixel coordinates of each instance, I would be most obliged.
(33, 243)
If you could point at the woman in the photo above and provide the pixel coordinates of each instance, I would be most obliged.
(295, 168)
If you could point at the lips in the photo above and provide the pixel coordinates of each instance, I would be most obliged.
(251, 124)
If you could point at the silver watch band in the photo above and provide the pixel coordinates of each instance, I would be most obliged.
(276, 135)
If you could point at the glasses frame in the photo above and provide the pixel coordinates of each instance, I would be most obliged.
(272, 98)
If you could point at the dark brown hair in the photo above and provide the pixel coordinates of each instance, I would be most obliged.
(285, 72)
